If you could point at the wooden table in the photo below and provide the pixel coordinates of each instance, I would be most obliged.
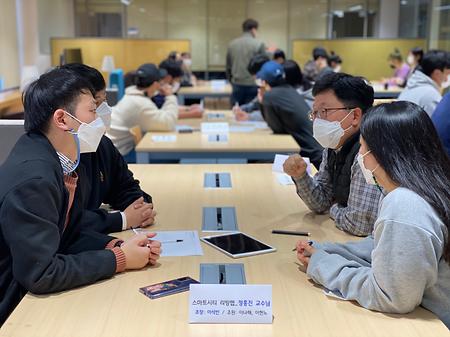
(214, 116)
(10, 101)
(205, 89)
(195, 146)
(114, 307)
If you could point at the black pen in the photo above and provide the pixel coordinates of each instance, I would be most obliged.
(151, 239)
(279, 231)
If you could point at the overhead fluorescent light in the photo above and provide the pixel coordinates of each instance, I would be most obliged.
(125, 2)
(442, 8)
(355, 8)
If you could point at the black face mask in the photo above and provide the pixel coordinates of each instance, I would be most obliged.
(392, 66)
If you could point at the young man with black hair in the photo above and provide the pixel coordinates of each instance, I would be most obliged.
(286, 112)
(279, 56)
(174, 74)
(137, 109)
(106, 178)
(318, 65)
(424, 85)
(239, 53)
(43, 248)
(339, 187)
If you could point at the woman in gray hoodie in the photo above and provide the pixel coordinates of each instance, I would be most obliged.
(406, 261)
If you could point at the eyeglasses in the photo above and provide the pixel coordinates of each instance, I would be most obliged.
(323, 113)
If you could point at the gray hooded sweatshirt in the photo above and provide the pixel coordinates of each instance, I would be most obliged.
(396, 269)
(423, 91)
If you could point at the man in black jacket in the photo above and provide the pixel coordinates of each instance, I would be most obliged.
(286, 111)
(106, 178)
(43, 248)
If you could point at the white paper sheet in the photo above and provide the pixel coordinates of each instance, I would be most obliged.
(190, 244)
(164, 138)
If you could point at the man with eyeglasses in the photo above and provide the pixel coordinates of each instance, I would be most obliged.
(340, 100)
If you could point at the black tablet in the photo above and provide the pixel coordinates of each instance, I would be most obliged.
(238, 244)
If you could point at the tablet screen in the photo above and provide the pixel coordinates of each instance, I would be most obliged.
(237, 243)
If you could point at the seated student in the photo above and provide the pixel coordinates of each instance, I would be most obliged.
(339, 186)
(105, 174)
(136, 109)
(279, 56)
(413, 59)
(401, 69)
(295, 78)
(173, 77)
(43, 248)
(424, 86)
(285, 111)
(406, 262)
(252, 110)
(335, 62)
(441, 120)
(318, 66)
(188, 79)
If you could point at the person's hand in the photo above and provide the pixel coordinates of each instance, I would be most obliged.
(240, 115)
(261, 92)
(304, 252)
(155, 249)
(295, 166)
(140, 214)
(196, 110)
(136, 251)
(166, 89)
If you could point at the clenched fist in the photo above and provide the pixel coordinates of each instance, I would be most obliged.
(295, 166)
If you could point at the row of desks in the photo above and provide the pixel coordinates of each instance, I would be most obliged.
(206, 89)
(115, 307)
(258, 144)
(10, 101)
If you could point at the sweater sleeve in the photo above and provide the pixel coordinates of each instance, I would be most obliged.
(164, 119)
(316, 192)
(404, 263)
(33, 237)
(102, 221)
(359, 251)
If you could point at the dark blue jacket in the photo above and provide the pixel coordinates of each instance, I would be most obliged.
(441, 120)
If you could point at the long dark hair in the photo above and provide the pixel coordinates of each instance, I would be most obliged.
(405, 143)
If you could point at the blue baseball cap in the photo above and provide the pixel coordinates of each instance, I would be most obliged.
(271, 72)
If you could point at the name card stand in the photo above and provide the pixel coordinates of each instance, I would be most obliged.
(230, 303)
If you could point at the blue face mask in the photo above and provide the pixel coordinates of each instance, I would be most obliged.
(68, 165)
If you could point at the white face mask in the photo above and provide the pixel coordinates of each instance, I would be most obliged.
(175, 86)
(368, 174)
(410, 60)
(327, 133)
(104, 112)
(90, 134)
(187, 62)
(259, 82)
(446, 84)
(338, 69)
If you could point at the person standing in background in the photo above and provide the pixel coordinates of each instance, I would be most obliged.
(240, 51)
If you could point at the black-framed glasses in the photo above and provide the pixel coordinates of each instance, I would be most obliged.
(323, 113)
